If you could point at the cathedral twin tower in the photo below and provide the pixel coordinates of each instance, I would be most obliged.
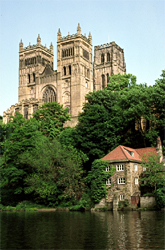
(76, 75)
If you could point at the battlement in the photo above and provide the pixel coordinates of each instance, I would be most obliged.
(107, 45)
(69, 37)
(77, 35)
(35, 46)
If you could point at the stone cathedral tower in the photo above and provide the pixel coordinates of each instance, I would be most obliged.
(76, 74)
(74, 61)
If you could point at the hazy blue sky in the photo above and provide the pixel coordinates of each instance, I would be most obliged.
(137, 26)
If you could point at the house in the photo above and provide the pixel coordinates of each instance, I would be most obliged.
(124, 184)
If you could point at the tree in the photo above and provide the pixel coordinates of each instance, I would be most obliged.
(123, 113)
(97, 179)
(153, 178)
(57, 173)
(154, 175)
(20, 136)
(51, 117)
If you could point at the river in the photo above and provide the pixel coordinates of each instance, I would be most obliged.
(127, 230)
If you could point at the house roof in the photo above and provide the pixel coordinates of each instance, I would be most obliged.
(125, 153)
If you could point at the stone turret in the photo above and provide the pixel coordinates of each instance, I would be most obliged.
(38, 40)
(21, 45)
(58, 35)
(90, 38)
(78, 30)
(51, 48)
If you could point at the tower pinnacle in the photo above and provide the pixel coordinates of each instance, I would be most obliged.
(78, 29)
(38, 40)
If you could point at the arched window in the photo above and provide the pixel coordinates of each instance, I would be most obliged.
(28, 78)
(102, 58)
(34, 77)
(103, 81)
(69, 69)
(88, 73)
(68, 109)
(107, 77)
(108, 57)
(49, 95)
(35, 107)
(26, 112)
(64, 71)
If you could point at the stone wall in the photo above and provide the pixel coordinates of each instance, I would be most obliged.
(147, 202)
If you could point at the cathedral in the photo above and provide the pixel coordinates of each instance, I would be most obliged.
(76, 73)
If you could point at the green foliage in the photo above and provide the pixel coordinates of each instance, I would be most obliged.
(153, 178)
(51, 117)
(22, 137)
(160, 197)
(97, 179)
(154, 175)
(113, 116)
(57, 173)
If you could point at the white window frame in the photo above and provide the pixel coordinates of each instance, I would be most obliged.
(136, 181)
(121, 180)
(120, 167)
(108, 181)
(121, 197)
(107, 168)
(135, 167)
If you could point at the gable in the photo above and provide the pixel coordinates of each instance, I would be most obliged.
(47, 70)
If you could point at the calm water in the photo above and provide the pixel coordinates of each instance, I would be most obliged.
(88, 230)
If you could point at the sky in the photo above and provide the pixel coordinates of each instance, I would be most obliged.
(137, 26)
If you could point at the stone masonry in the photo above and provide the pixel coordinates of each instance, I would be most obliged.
(75, 75)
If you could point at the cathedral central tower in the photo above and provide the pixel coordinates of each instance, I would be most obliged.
(74, 61)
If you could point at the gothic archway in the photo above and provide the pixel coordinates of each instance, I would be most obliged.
(49, 94)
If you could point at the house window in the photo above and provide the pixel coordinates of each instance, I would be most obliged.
(136, 181)
(144, 169)
(121, 180)
(108, 181)
(135, 167)
(129, 152)
(121, 197)
(120, 167)
(107, 168)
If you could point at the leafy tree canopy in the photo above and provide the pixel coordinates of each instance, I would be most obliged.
(123, 113)
(51, 117)
(20, 136)
(57, 172)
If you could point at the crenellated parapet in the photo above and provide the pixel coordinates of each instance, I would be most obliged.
(108, 45)
(35, 46)
(73, 36)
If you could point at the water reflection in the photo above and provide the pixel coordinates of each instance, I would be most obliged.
(89, 230)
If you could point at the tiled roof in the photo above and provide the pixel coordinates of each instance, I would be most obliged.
(126, 153)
